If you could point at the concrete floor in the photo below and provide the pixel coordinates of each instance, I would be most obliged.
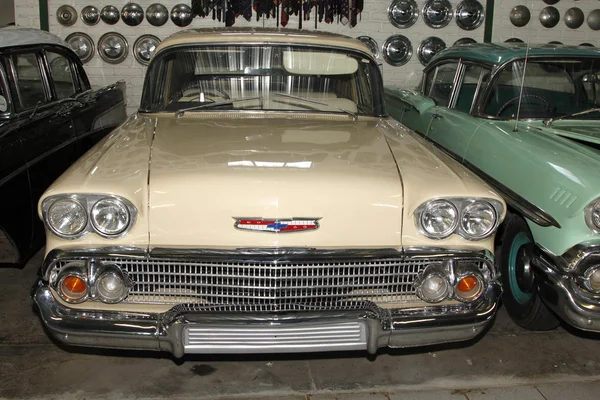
(506, 363)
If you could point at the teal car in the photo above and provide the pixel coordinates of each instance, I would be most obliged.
(527, 121)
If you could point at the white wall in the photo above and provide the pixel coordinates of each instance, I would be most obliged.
(27, 13)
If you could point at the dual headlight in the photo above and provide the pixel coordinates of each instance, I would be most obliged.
(73, 216)
(473, 219)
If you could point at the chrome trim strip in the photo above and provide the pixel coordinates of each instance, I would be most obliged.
(260, 254)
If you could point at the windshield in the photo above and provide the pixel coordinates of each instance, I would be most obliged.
(258, 77)
(552, 88)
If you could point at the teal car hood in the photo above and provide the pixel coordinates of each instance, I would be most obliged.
(581, 130)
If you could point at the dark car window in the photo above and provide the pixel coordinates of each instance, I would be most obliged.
(3, 100)
(551, 88)
(28, 83)
(60, 68)
(443, 83)
(474, 77)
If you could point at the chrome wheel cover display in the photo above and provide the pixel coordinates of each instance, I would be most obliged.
(82, 45)
(513, 40)
(593, 19)
(465, 40)
(397, 50)
(403, 13)
(549, 17)
(110, 15)
(157, 14)
(132, 14)
(66, 15)
(520, 16)
(586, 45)
(574, 18)
(90, 15)
(181, 15)
(429, 48)
(144, 47)
(371, 44)
(113, 47)
(437, 13)
(551, 2)
(469, 14)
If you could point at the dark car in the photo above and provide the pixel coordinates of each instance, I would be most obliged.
(49, 117)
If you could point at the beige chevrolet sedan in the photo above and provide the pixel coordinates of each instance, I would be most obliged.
(261, 200)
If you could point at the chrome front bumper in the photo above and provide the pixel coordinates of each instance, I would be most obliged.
(193, 332)
(563, 296)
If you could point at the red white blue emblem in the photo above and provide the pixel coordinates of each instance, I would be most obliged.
(277, 225)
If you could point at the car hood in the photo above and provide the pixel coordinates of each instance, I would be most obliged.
(582, 130)
(206, 172)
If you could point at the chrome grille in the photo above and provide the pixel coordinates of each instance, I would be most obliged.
(271, 286)
(275, 338)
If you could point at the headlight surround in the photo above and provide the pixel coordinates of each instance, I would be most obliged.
(471, 217)
(71, 216)
(67, 218)
(110, 217)
(438, 219)
(592, 279)
(592, 216)
(477, 220)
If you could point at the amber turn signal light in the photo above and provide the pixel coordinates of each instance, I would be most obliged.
(73, 288)
(469, 287)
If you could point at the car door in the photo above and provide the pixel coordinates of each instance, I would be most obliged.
(94, 113)
(452, 127)
(47, 135)
(15, 217)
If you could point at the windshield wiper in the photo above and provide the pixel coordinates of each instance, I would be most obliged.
(549, 121)
(309, 100)
(217, 104)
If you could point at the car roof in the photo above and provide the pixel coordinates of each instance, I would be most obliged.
(261, 35)
(12, 36)
(499, 53)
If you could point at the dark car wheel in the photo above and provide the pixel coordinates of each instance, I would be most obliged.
(520, 296)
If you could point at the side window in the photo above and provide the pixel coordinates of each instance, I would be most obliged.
(443, 83)
(427, 83)
(62, 76)
(3, 95)
(27, 85)
(591, 85)
(474, 78)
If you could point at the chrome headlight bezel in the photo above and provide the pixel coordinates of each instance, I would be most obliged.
(87, 201)
(423, 208)
(590, 210)
(96, 225)
(462, 231)
(461, 204)
(47, 220)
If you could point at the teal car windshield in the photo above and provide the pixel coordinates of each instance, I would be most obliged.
(262, 78)
(552, 88)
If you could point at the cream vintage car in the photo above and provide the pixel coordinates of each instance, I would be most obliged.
(262, 201)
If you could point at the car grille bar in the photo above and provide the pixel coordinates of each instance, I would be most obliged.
(270, 286)
(275, 338)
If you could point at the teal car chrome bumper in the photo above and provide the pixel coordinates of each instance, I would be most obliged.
(565, 297)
